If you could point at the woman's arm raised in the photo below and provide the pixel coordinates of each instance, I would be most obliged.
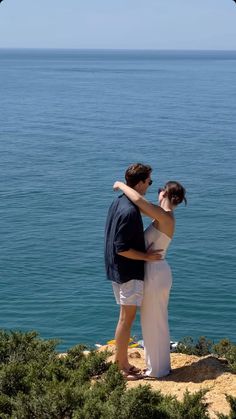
(151, 210)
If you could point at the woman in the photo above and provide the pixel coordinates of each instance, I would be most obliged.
(158, 277)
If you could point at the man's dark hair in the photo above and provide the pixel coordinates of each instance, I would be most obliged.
(137, 172)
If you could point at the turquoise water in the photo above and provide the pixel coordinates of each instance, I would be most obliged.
(70, 124)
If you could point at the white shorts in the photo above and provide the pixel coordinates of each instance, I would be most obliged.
(130, 293)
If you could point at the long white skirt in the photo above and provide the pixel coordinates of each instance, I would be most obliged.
(154, 318)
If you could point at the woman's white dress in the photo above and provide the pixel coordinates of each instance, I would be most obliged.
(154, 310)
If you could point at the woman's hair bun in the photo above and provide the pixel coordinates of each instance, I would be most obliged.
(175, 192)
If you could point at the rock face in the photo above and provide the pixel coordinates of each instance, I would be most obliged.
(190, 373)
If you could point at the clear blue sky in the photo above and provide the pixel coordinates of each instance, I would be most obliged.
(138, 24)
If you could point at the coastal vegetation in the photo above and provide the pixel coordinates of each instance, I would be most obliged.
(36, 382)
(203, 346)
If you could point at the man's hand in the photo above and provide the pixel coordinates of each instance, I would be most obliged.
(154, 255)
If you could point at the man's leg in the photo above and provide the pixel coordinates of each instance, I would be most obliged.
(123, 330)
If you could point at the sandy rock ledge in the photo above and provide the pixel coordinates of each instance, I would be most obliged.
(190, 373)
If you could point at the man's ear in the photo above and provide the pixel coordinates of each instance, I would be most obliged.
(138, 186)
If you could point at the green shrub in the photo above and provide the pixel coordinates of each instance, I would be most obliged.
(231, 358)
(95, 363)
(5, 406)
(226, 349)
(232, 401)
(113, 379)
(141, 402)
(58, 402)
(35, 383)
(102, 399)
(13, 378)
(222, 347)
(24, 347)
(201, 347)
(193, 406)
(74, 356)
(232, 415)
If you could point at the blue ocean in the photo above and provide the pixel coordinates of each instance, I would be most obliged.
(71, 122)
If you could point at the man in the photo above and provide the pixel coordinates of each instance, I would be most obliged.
(125, 255)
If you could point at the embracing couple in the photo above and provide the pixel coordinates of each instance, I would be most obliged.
(135, 263)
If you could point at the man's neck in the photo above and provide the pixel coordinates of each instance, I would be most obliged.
(138, 189)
